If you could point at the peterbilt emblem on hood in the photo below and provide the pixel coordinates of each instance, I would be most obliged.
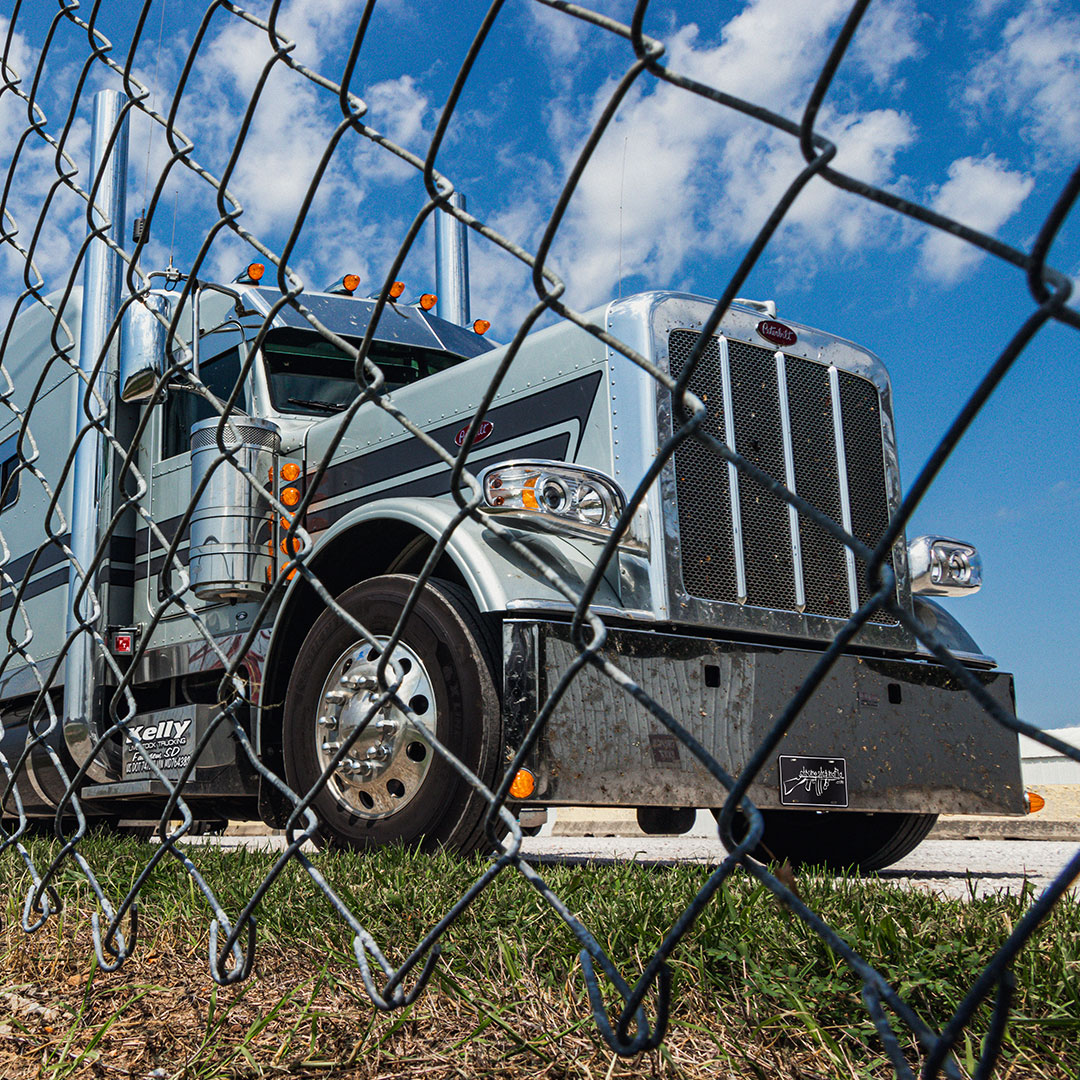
(482, 432)
(777, 332)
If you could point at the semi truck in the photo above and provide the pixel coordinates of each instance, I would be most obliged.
(248, 459)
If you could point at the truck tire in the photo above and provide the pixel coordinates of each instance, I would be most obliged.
(837, 841)
(394, 787)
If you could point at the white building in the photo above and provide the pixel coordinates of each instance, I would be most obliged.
(1042, 765)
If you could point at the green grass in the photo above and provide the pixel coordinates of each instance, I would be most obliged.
(755, 991)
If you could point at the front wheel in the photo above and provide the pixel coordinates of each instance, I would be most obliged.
(392, 785)
(837, 840)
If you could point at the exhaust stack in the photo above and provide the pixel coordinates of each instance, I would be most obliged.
(100, 304)
(452, 264)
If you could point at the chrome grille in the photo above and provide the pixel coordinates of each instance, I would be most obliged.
(764, 555)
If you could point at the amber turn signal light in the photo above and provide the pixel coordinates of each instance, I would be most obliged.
(290, 471)
(1033, 801)
(523, 784)
(481, 326)
(290, 496)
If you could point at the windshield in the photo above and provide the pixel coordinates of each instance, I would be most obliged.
(308, 375)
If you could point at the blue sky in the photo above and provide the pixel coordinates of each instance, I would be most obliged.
(973, 110)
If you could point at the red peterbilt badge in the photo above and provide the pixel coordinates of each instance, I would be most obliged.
(777, 332)
(482, 432)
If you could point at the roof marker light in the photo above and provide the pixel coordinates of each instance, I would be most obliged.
(428, 301)
(344, 286)
(481, 326)
(397, 289)
(252, 274)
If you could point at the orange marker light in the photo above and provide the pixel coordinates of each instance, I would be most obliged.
(428, 301)
(255, 271)
(528, 494)
(1035, 802)
(351, 282)
(481, 326)
(397, 289)
(291, 542)
(523, 784)
(290, 496)
(290, 471)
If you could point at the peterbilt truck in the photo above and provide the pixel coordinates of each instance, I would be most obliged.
(718, 600)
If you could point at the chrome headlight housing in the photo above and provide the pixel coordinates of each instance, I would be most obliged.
(941, 566)
(554, 496)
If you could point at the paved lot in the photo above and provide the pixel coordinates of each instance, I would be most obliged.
(955, 868)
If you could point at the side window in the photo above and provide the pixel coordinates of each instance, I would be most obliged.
(9, 478)
(182, 409)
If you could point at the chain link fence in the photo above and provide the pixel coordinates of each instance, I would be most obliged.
(72, 713)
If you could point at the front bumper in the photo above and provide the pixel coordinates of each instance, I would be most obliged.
(910, 738)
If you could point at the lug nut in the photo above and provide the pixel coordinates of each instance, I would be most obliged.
(358, 682)
(328, 721)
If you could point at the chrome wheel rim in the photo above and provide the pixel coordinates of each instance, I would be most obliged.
(387, 763)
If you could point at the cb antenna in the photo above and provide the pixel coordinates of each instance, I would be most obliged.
(139, 229)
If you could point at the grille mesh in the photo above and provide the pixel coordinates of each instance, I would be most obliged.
(702, 489)
(708, 549)
(816, 480)
(770, 576)
(860, 410)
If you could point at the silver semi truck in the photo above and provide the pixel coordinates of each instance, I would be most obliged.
(718, 602)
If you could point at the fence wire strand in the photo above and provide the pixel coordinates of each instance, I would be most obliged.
(641, 1020)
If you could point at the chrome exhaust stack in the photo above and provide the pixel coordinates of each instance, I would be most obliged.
(102, 280)
(452, 264)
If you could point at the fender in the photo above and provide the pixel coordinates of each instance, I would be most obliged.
(492, 571)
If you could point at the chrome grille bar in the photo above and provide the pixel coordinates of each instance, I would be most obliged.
(845, 495)
(733, 473)
(789, 479)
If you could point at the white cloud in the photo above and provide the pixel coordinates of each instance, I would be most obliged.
(699, 177)
(981, 193)
(35, 173)
(886, 38)
(558, 35)
(289, 132)
(1035, 75)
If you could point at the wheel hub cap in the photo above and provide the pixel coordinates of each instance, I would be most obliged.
(385, 766)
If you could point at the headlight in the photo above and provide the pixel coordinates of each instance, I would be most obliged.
(941, 566)
(558, 494)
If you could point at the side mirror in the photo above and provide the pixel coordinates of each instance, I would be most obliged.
(142, 347)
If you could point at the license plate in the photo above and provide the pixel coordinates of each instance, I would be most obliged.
(813, 781)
